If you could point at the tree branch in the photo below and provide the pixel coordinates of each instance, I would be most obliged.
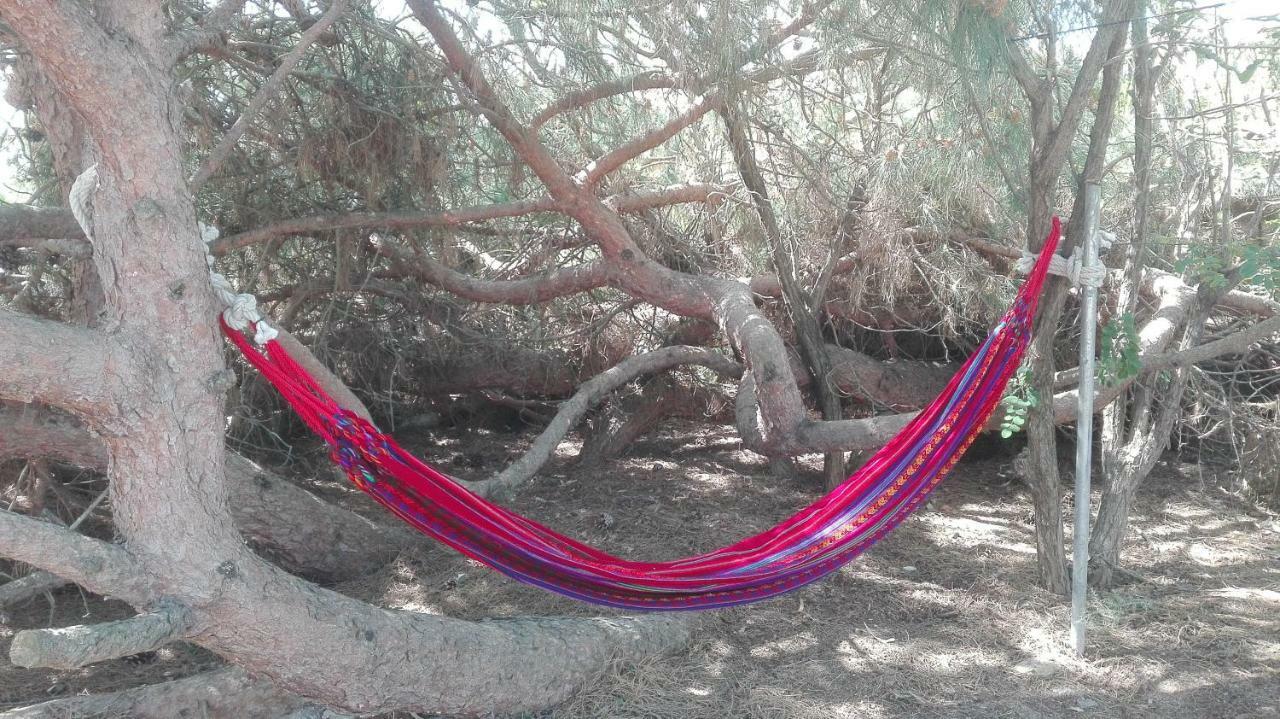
(612, 160)
(524, 142)
(75, 647)
(25, 226)
(591, 393)
(264, 96)
(226, 692)
(407, 220)
(1113, 28)
(76, 369)
(102, 568)
(23, 588)
(209, 34)
(531, 290)
(651, 80)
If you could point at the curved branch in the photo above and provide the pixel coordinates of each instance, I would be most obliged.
(617, 157)
(652, 80)
(591, 393)
(531, 290)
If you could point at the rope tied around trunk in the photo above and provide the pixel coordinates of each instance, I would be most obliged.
(1072, 268)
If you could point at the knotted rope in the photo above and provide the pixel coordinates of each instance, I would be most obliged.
(242, 307)
(1072, 267)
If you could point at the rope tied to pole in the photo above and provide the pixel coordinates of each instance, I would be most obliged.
(1073, 267)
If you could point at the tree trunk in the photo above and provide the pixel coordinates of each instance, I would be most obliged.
(1050, 143)
(801, 308)
(150, 387)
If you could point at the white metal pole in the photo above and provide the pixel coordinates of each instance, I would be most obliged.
(1084, 418)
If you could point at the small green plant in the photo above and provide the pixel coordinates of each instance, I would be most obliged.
(1019, 399)
(1119, 357)
(1258, 265)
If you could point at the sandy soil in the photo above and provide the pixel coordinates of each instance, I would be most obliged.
(943, 619)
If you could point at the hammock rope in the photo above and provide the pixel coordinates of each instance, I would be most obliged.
(817, 540)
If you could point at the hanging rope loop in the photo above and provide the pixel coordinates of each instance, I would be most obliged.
(242, 308)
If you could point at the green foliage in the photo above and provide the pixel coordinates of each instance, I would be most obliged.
(1019, 399)
(1119, 360)
(1257, 265)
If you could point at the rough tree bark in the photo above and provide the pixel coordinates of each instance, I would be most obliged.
(800, 305)
(148, 383)
(1051, 140)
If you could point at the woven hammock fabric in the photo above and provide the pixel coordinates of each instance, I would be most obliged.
(811, 544)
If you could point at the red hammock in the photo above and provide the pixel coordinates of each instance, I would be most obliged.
(816, 541)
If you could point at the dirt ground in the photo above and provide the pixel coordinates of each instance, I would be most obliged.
(943, 619)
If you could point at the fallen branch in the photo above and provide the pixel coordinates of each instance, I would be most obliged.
(23, 588)
(219, 694)
(103, 568)
(590, 394)
(78, 646)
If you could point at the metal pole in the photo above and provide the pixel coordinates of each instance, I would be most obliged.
(1084, 419)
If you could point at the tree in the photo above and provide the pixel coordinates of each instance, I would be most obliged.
(539, 221)
(148, 381)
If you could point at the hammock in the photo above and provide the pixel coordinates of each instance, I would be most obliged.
(816, 541)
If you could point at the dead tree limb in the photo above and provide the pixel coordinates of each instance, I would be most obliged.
(228, 693)
(265, 95)
(591, 393)
(74, 647)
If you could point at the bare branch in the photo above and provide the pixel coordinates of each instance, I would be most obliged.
(265, 95)
(1031, 84)
(643, 81)
(642, 200)
(25, 226)
(28, 431)
(531, 290)
(524, 142)
(590, 394)
(103, 568)
(1112, 30)
(381, 220)
(75, 647)
(628, 202)
(23, 588)
(612, 160)
(67, 367)
(327, 380)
